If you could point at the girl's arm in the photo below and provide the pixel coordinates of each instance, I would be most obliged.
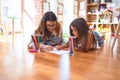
(62, 46)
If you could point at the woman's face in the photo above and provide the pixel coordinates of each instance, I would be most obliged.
(51, 25)
(74, 31)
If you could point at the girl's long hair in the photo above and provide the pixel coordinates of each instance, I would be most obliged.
(82, 30)
(42, 28)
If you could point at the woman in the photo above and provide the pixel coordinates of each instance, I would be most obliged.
(50, 30)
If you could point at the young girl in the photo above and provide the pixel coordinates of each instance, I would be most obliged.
(50, 30)
(85, 39)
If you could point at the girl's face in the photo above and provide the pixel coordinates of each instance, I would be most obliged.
(74, 31)
(51, 25)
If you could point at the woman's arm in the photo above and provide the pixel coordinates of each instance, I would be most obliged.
(30, 45)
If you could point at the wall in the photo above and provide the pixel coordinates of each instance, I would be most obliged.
(117, 2)
(38, 6)
(0, 11)
(68, 16)
(32, 13)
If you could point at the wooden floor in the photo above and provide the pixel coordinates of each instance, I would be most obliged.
(16, 63)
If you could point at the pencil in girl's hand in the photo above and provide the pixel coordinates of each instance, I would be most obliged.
(71, 45)
(32, 36)
(35, 41)
(38, 41)
(38, 37)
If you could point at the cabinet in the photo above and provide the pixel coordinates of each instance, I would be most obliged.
(95, 13)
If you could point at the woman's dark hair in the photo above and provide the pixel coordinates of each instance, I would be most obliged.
(48, 16)
(82, 30)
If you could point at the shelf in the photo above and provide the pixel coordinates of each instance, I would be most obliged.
(91, 22)
(102, 3)
(92, 5)
(92, 14)
(107, 23)
(94, 20)
(95, 16)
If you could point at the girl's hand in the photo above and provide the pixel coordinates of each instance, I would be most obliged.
(58, 47)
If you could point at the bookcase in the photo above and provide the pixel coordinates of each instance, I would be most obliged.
(95, 13)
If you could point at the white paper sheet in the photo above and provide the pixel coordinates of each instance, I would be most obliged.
(59, 52)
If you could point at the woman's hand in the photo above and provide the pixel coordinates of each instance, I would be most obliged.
(45, 47)
(49, 48)
(30, 45)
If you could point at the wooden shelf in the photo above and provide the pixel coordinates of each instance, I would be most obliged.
(92, 5)
(91, 22)
(91, 14)
(94, 13)
(102, 3)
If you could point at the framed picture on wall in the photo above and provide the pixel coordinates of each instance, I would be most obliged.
(60, 9)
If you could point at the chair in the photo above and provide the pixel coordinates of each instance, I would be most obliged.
(116, 35)
(4, 29)
(118, 28)
(107, 17)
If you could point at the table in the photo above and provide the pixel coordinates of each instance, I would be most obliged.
(13, 22)
(4, 30)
